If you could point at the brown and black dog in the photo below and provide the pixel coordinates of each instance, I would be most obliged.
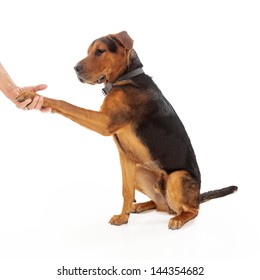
(155, 151)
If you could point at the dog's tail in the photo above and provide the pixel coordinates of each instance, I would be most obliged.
(217, 193)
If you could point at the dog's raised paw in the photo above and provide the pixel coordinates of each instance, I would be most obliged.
(118, 220)
(25, 95)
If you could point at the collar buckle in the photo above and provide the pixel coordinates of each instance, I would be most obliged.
(128, 75)
(107, 89)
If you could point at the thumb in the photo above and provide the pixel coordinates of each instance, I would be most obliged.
(40, 87)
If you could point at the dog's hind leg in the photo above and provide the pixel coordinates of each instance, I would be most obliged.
(182, 194)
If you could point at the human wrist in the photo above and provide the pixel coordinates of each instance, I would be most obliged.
(11, 92)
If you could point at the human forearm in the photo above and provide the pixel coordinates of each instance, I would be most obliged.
(6, 83)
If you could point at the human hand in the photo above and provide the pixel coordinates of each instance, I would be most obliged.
(35, 102)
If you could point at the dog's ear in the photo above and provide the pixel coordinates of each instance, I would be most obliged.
(123, 39)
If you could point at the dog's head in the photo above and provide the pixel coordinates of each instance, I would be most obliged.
(106, 60)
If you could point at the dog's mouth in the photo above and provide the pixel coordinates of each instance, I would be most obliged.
(85, 80)
(81, 80)
(101, 79)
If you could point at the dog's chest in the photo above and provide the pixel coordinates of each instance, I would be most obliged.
(130, 145)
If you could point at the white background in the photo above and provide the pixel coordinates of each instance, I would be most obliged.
(60, 183)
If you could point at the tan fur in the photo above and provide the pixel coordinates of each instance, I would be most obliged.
(182, 198)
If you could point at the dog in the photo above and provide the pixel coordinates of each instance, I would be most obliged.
(155, 151)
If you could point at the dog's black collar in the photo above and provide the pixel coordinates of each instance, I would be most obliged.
(128, 75)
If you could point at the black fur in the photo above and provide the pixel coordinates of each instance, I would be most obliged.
(161, 130)
(217, 193)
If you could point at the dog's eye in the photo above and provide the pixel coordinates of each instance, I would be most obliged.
(98, 52)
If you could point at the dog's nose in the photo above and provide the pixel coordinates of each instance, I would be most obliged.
(78, 68)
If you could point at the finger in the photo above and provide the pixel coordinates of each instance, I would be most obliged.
(40, 107)
(24, 104)
(39, 87)
(34, 103)
(39, 103)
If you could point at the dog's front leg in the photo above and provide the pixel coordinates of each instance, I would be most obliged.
(96, 121)
(128, 173)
